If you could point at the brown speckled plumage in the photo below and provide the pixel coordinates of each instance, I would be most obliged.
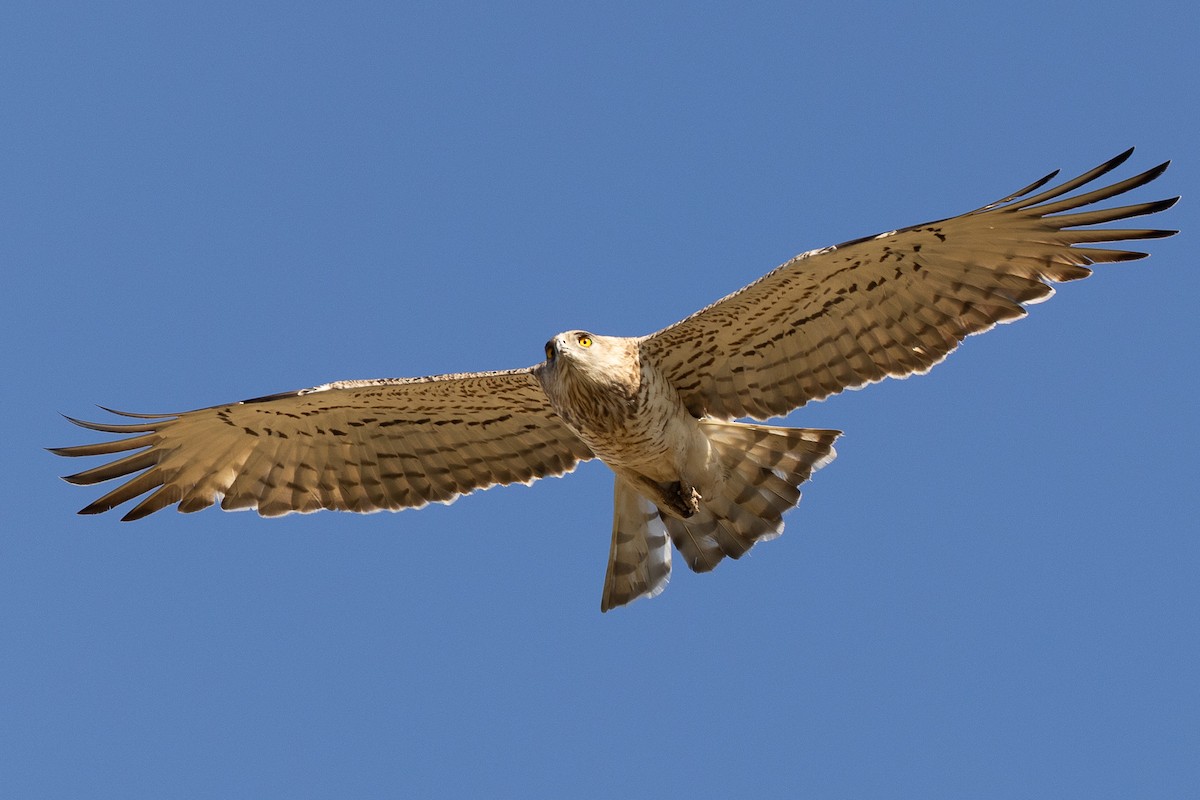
(657, 409)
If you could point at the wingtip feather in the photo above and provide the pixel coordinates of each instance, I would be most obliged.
(132, 415)
(1121, 158)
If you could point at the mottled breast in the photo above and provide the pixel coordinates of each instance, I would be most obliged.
(620, 406)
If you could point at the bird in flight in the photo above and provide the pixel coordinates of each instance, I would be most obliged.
(660, 410)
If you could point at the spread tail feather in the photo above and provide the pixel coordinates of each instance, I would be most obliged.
(763, 467)
(639, 560)
(766, 465)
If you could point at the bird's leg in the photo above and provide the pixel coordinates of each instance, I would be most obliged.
(677, 498)
(685, 498)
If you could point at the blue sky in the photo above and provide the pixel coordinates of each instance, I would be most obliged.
(991, 593)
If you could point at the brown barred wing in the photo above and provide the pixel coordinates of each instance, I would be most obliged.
(351, 446)
(893, 304)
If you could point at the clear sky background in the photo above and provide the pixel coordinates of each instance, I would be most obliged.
(993, 592)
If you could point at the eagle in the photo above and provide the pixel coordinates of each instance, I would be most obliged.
(661, 410)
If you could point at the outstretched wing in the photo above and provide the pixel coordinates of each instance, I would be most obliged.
(352, 445)
(893, 304)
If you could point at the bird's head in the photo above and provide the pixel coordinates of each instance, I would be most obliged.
(599, 358)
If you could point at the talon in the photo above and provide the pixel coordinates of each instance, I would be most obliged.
(685, 501)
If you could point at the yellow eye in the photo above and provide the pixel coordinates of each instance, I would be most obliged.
(585, 341)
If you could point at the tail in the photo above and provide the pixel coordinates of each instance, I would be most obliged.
(639, 559)
(763, 468)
